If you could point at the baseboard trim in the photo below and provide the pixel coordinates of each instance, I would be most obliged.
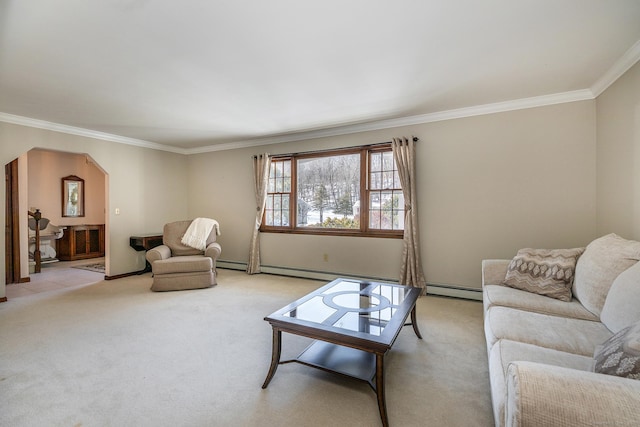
(454, 291)
(432, 288)
(120, 276)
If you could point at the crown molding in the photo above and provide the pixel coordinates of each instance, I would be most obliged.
(620, 67)
(498, 107)
(72, 130)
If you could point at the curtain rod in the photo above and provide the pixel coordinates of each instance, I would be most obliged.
(378, 144)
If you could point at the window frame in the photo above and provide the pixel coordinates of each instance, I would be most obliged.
(365, 165)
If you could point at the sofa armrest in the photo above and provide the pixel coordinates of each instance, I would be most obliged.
(213, 251)
(494, 271)
(545, 395)
(158, 253)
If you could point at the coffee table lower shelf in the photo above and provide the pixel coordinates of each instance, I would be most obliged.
(353, 323)
(351, 362)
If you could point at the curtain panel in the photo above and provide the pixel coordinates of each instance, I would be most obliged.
(261, 164)
(411, 273)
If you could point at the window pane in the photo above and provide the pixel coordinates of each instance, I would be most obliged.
(278, 184)
(386, 201)
(376, 162)
(286, 169)
(328, 189)
(387, 161)
(376, 180)
(286, 176)
(387, 179)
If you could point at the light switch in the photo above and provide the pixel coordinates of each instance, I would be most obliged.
(117, 211)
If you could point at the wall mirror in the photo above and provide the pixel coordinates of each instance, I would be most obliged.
(72, 196)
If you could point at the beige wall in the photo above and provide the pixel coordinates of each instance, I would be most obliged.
(46, 170)
(618, 153)
(487, 186)
(148, 186)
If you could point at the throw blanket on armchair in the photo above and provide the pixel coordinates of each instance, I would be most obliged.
(198, 232)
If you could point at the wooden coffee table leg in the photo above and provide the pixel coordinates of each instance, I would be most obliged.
(414, 322)
(382, 405)
(275, 356)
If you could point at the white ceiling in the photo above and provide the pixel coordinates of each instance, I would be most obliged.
(197, 74)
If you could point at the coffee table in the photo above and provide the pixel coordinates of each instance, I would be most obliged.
(353, 324)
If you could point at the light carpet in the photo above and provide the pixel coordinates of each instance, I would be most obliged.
(116, 354)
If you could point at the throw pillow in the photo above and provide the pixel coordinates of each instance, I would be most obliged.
(620, 354)
(622, 306)
(547, 272)
(603, 260)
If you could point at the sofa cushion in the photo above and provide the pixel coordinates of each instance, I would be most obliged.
(575, 336)
(182, 264)
(183, 281)
(547, 272)
(494, 270)
(172, 237)
(498, 295)
(622, 306)
(545, 395)
(602, 261)
(504, 352)
(620, 354)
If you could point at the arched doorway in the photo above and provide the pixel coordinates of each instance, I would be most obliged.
(36, 183)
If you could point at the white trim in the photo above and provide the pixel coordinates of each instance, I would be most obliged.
(620, 67)
(72, 130)
(498, 107)
(432, 288)
(454, 292)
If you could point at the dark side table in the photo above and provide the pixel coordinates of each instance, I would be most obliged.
(144, 242)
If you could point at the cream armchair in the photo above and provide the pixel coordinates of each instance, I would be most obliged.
(176, 266)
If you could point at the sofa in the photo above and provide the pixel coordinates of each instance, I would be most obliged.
(562, 329)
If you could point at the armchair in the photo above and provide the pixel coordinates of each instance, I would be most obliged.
(176, 266)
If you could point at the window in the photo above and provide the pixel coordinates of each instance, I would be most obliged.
(354, 191)
(278, 194)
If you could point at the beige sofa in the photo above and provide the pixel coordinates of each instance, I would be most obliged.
(543, 351)
(176, 266)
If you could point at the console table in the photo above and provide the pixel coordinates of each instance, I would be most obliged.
(144, 242)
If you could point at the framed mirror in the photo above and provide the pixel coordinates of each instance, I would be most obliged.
(72, 196)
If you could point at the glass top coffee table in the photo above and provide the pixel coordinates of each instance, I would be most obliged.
(354, 324)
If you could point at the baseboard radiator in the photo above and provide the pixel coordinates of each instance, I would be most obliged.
(432, 288)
